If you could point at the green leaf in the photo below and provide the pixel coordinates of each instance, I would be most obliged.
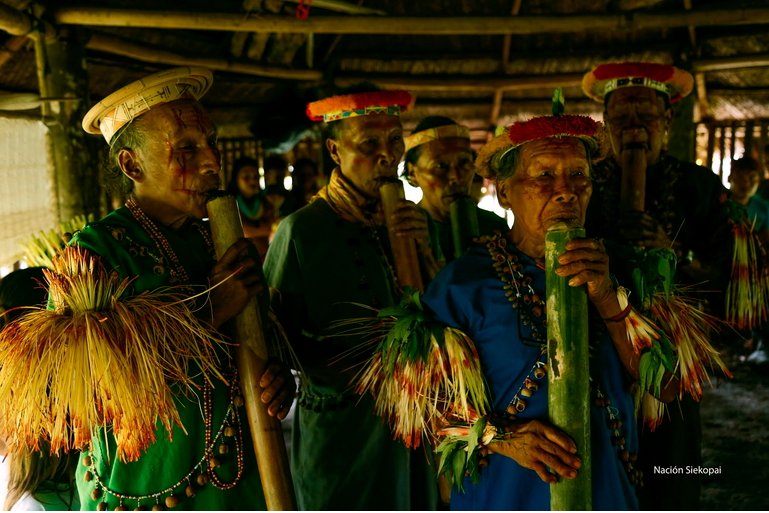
(446, 450)
(638, 282)
(458, 467)
(415, 299)
(393, 311)
(476, 433)
(643, 370)
(558, 102)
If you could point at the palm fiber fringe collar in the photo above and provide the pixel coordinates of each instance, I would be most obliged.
(603, 79)
(126, 104)
(544, 127)
(433, 134)
(336, 108)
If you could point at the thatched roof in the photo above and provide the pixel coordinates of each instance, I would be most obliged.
(436, 66)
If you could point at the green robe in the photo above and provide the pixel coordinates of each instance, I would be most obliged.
(343, 456)
(165, 463)
(488, 222)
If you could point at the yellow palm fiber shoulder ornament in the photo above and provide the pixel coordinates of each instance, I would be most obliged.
(66, 365)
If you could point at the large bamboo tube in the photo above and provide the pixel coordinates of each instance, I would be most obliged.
(404, 249)
(464, 224)
(568, 396)
(266, 431)
(633, 189)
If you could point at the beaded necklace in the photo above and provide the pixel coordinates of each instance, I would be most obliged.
(207, 464)
(162, 244)
(509, 271)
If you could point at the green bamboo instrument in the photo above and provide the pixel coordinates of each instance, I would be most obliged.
(568, 369)
(464, 224)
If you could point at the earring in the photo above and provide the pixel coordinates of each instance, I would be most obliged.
(665, 142)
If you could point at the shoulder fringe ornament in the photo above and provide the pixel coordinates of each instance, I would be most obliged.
(94, 359)
(748, 292)
(418, 369)
(673, 336)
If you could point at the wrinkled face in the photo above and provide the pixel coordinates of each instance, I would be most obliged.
(744, 183)
(248, 181)
(444, 169)
(551, 185)
(180, 162)
(636, 118)
(369, 148)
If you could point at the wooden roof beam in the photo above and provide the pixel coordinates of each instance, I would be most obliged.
(760, 60)
(485, 83)
(465, 25)
(119, 46)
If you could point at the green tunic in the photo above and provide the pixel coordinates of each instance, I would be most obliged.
(343, 456)
(166, 463)
(488, 222)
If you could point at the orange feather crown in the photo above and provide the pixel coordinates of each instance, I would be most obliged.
(336, 108)
(605, 78)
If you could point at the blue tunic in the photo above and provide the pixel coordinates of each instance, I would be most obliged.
(468, 295)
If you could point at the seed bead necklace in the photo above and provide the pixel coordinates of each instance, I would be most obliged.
(164, 247)
(519, 290)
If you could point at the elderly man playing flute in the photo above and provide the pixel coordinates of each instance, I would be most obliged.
(500, 322)
(646, 198)
(325, 258)
(130, 347)
(439, 160)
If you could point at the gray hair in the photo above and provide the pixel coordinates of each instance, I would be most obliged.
(133, 136)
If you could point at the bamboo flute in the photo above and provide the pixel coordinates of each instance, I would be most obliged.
(464, 224)
(404, 249)
(266, 431)
(568, 374)
(633, 190)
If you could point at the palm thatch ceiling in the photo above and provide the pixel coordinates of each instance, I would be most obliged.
(482, 80)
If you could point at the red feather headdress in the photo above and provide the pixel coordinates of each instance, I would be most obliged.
(335, 108)
(606, 78)
(544, 127)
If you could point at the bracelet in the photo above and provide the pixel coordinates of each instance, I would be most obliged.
(620, 316)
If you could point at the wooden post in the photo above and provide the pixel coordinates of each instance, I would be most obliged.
(721, 152)
(404, 250)
(61, 72)
(711, 145)
(762, 156)
(568, 396)
(266, 431)
(733, 140)
(464, 224)
(748, 140)
(682, 140)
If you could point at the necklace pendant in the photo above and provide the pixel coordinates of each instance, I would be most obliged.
(158, 269)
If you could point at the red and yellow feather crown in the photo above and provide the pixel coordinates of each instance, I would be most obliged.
(605, 78)
(336, 108)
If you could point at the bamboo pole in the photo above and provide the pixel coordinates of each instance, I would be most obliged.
(568, 395)
(633, 189)
(118, 46)
(404, 250)
(455, 26)
(762, 156)
(464, 224)
(732, 141)
(266, 431)
(712, 145)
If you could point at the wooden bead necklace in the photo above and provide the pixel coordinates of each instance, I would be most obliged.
(206, 464)
(509, 271)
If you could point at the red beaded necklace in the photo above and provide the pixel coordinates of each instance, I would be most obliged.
(164, 247)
